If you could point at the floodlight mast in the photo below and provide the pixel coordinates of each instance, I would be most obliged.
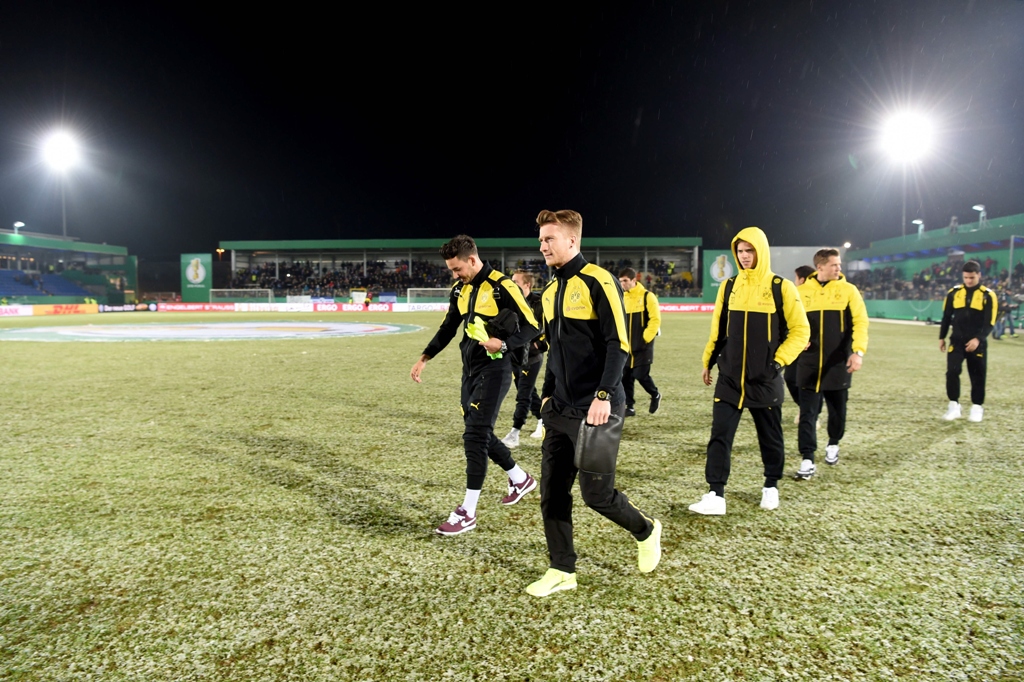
(18, 225)
(906, 137)
(61, 153)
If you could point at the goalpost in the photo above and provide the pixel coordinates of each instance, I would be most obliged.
(427, 295)
(241, 295)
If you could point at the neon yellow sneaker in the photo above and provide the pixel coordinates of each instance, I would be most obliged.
(553, 581)
(649, 551)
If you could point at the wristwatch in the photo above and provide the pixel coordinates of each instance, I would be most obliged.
(859, 352)
(504, 347)
(602, 395)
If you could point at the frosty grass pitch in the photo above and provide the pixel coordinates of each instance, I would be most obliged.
(223, 331)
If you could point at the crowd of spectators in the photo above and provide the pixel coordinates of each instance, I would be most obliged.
(306, 278)
(932, 283)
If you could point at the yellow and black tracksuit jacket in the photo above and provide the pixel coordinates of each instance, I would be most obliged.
(970, 312)
(643, 320)
(585, 326)
(749, 334)
(486, 295)
(839, 327)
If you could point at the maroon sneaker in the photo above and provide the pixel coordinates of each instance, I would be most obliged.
(458, 522)
(518, 492)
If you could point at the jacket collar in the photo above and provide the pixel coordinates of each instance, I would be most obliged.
(571, 268)
(482, 276)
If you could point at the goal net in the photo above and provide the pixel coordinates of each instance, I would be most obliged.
(427, 295)
(241, 296)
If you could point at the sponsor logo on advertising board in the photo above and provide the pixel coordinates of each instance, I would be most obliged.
(128, 308)
(66, 309)
(686, 307)
(195, 307)
(11, 310)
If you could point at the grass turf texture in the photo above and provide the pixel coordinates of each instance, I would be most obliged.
(264, 510)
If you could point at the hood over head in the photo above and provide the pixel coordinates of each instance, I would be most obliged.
(757, 238)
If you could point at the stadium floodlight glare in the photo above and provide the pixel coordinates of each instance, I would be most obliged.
(920, 226)
(18, 225)
(847, 245)
(61, 153)
(906, 138)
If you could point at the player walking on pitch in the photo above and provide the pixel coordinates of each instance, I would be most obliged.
(481, 293)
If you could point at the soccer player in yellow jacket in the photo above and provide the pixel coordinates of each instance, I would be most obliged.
(970, 312)
(584, 322)
(839, 339)
(643, 322)
(758, 328)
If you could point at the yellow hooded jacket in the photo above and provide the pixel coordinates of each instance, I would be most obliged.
(746, 330)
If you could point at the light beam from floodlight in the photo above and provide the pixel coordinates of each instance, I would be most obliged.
(906, 137)
(61, 152)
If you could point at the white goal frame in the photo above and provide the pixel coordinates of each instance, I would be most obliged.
(253, 295)
(434, 294)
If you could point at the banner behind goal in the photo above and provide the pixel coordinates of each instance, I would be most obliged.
(427, 295)
(241, 296)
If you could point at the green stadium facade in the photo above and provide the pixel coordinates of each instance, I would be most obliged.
(102, 272)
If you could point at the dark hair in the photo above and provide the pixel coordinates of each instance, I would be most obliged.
(627, 272)
(804, 271)
(460, 246)
(972, 266)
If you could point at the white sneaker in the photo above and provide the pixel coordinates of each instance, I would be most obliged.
(831, 454)
(976, 413)
(512, 439)
(952, 412)
(710, 505)
(807, 470)
(770, 498)
(539, 433)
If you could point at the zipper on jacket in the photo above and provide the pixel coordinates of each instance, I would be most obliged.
(821, 348)
(468, 353)
(743, 371)
(559, 299)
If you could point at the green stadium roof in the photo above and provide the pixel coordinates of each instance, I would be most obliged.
(59, 244)
(486, 243)
(969, 237)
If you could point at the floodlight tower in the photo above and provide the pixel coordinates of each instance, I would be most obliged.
(983, 215)
(906, 137)
(61, 153)
(18, 225)
(920, 226)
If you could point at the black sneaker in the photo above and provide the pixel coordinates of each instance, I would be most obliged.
(655, 403)
(630, 412)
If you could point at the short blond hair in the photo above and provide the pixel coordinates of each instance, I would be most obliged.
(527, 277)
(570, 221)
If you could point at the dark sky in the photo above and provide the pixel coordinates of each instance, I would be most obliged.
(653, 119)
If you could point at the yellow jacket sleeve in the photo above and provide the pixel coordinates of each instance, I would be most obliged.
(859, 312)
(796, 320)
(653, 318)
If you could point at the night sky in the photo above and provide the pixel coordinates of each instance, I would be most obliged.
(653, 119)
